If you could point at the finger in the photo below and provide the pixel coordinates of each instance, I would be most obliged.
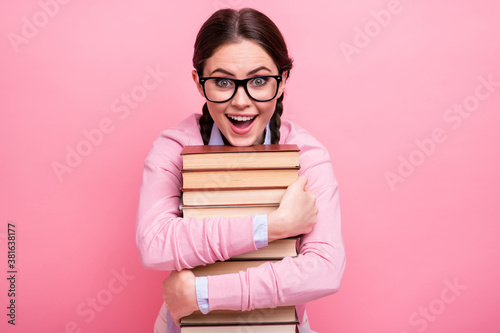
(303, 179)
(300, 182)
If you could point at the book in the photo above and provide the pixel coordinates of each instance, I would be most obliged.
(228, 157)
(275, 327)
(218, 196)
(262, 320)
(277, 249)
(227, 267)
(238, 178)
(200, 212)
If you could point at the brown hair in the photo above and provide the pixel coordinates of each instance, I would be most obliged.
(228, 26)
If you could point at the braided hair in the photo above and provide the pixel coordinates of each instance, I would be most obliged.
(227, 26)
(206, 123)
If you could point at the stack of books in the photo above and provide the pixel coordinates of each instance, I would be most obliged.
(233, 182)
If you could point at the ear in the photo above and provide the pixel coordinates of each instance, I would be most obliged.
(283, 83)
(197, 83)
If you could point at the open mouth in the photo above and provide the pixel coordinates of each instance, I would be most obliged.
(241, 122)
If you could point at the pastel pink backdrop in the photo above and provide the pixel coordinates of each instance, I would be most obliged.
(372, 81)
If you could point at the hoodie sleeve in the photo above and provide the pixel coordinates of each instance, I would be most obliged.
(317, 270)
(165, 240)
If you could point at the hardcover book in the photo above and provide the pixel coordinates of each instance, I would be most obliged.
(222, 197)
(280, 319)
(238, 178)
(229, 157)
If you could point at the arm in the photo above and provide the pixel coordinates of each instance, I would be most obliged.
(314, 273)
(165, 240)
(295, 215)
(183, 293)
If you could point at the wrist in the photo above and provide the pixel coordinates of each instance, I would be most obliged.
(275, 228)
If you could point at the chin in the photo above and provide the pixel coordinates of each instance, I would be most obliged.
(242, 142)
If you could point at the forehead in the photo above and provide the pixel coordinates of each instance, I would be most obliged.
(240, 58)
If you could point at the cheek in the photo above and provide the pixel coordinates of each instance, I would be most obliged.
(216, 109)
(267, 110)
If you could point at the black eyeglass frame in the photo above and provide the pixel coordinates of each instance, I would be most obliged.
(243, 83)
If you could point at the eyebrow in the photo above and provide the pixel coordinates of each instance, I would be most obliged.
(223, 71)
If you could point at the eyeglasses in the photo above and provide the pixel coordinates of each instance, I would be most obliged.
(259, 88)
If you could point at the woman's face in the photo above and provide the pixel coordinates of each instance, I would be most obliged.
(241, 119)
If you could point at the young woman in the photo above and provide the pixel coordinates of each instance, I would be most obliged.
(241, 66)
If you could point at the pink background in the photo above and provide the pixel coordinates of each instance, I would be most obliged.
(375, 107)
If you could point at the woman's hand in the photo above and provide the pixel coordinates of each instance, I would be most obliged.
(297, 213)
(179, 294)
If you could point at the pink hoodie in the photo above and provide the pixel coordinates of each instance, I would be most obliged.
(166, 241)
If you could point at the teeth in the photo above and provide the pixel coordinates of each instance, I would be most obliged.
(241, 118)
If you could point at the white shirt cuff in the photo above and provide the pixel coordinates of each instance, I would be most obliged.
(260, 232)
(202, 293)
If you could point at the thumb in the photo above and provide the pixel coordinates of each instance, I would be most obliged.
(301, 182)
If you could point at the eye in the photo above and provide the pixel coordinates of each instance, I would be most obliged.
(224, 83)
(259, 81)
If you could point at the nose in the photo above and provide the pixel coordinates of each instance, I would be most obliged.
(240, 99)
